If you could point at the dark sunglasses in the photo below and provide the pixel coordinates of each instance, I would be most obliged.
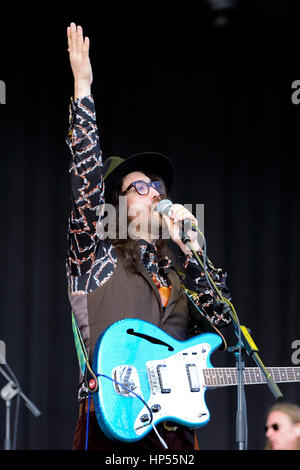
(275, 427)
(143, 188)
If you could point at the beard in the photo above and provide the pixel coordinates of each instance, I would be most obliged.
(145, 223)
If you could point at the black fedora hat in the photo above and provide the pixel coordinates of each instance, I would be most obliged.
(115, 168)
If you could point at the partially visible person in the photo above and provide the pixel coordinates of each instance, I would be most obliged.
(283, 427)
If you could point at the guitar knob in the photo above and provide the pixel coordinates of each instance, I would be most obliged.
(144, 418)
(155, 408)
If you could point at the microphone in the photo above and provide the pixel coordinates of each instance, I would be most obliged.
(164, 208)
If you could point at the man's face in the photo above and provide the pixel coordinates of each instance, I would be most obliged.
(285, 434)
(141, 215)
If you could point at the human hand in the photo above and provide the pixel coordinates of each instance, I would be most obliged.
(178, 213)
(78, 48)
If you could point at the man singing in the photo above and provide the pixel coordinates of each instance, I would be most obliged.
(126, 272)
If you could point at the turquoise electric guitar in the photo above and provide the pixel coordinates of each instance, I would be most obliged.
(145, 377)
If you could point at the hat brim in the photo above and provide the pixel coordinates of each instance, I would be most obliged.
(148, 162)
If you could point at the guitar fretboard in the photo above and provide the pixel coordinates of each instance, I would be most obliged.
(217, 377)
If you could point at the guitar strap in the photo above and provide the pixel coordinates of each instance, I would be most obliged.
(79, 345)
(90, 378)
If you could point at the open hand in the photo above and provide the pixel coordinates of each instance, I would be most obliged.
(78, 48)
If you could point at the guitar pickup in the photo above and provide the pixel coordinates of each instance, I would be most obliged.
(163, 378)
(193, 377)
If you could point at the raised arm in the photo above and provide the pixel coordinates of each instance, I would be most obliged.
(87, 188)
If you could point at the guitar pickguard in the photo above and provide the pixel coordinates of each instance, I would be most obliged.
(175, 381)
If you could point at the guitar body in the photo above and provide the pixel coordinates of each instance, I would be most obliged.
(134, 358)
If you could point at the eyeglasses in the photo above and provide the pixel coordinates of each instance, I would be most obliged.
(143, 188)
(275, 427)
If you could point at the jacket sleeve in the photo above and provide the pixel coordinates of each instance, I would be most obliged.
(202, 294)
(87, 186)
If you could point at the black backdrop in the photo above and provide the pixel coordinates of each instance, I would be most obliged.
(218, 102)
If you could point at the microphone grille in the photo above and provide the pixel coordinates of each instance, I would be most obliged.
(163, 206)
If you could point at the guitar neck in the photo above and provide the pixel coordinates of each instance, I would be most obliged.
(222, 377)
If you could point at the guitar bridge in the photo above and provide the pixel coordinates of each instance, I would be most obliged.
(126, 380)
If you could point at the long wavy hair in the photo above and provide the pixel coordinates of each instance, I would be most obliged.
(128, 246)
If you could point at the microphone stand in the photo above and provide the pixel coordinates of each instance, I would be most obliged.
(245, 344)
(8, 392)
(252, 351)
(241, 415)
